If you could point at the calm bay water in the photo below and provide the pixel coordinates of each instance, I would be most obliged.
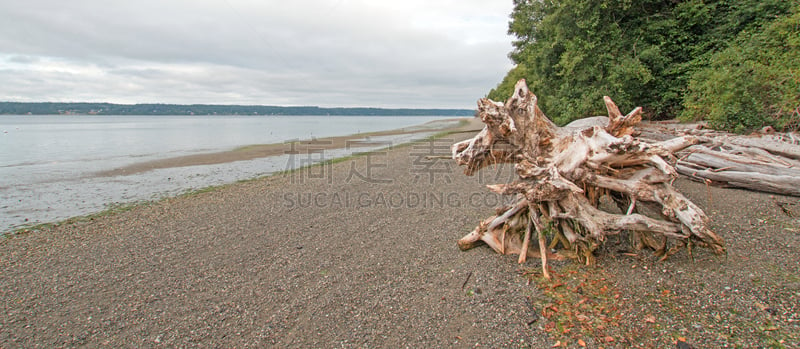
(47, 162)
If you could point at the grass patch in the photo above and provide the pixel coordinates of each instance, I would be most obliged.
(111, 209)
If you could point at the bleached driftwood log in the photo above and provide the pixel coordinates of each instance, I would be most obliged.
(564, 172)
(763, 161)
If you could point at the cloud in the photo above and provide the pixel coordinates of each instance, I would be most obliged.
(408, 53)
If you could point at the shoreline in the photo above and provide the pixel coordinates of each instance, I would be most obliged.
(266, 152)
(257, 151)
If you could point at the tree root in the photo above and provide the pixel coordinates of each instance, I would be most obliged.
(562, 175)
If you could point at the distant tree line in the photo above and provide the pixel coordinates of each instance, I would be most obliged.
(47, 108)
(732, 62)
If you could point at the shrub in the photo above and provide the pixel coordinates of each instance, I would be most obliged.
(753, 83)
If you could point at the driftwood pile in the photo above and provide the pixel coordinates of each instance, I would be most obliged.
(765, 161)
(563, 175)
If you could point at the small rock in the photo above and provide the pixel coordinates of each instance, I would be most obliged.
(681, 344)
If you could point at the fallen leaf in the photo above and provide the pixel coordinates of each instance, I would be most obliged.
(609, 339)
(581, 343)
(650, 319)
(558, 344)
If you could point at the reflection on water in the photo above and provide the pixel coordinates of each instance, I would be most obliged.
(47, 162)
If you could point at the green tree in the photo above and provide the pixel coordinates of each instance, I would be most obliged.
(574, 52)
(753, 83)
(639, 52)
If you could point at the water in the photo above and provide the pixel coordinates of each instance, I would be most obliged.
(48, 163)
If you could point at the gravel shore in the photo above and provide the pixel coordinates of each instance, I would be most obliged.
(362, 253)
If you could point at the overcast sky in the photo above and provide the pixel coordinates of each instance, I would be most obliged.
(381, 53)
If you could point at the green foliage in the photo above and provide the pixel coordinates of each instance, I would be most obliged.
(639, 52)
(506, 87)
(572, 53)
(753, 83)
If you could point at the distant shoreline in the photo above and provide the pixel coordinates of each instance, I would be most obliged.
(80, 108)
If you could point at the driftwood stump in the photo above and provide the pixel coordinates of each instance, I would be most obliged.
(563, 172)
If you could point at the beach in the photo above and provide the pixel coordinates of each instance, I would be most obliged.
(55, 167)
(362, 252)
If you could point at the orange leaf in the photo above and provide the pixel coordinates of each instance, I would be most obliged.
(581, 342)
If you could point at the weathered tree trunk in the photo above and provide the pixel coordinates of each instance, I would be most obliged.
(564, 172)
(765, 162)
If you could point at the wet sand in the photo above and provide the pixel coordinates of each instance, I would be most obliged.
(266, 150)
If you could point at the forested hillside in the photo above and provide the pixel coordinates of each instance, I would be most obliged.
(47, 108)
(733, 63)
